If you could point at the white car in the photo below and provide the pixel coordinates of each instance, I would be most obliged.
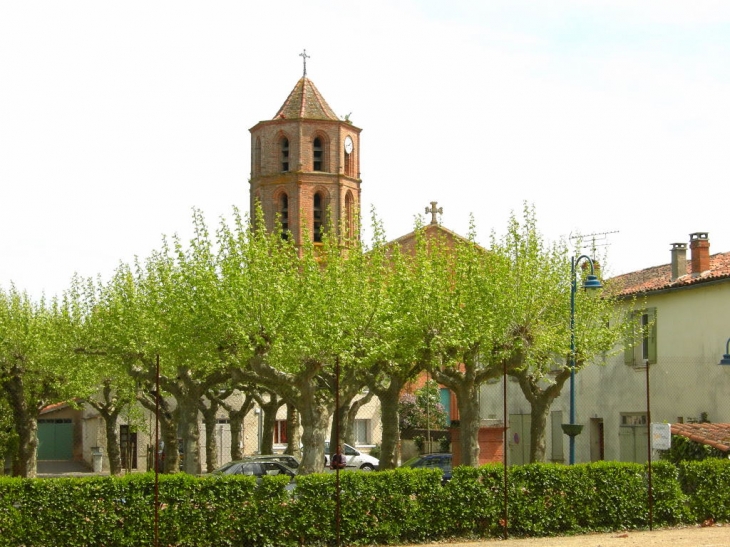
(355, 458)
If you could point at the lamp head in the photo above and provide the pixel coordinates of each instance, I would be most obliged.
(592, 282)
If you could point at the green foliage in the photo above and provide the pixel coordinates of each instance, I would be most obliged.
(684, 449)
(706, 483)
(444, 444)
(398, 506)
(8, 437)
(420, 442)
(422, 409)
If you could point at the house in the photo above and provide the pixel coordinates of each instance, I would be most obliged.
(681, 312)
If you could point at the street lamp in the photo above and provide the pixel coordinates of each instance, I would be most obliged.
(726, 358)
(591, 282)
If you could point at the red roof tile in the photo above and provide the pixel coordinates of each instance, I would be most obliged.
(305, 101)
(714, 435)
(659, 278)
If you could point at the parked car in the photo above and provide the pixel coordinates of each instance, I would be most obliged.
(440, 461)
(355, 458)
(254, 467)
(292, 462)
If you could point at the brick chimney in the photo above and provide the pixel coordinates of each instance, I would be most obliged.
(679, 260)
(699, 245)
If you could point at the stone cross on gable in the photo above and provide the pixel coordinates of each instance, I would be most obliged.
(434, 211)
(304, 56)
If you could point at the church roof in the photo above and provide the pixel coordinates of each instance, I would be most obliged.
(305, 101)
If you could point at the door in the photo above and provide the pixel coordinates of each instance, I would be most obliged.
(597, 442)
(128, 446)
(55, 439)
(519, 438)
(633, 437)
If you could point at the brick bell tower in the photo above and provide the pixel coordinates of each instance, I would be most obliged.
(305, 167)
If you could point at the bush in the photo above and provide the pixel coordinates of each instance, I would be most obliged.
(422, 409)
(398, 506)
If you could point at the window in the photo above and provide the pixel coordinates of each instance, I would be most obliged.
(556, 436)
(362, 432)
(284, 215)
(318, 155)
(284, 149)
(643, 346)
(280, 432)
(317, 217)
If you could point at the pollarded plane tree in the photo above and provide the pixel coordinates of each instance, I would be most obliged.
(167, 307)
(401, 347)
(37, 364)
(115, 391)
(297, 314)
(466, 340)
(539, 285)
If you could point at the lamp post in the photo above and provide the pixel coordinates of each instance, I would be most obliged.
(591, 282)
(726, 358)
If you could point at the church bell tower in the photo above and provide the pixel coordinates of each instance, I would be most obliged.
(305, 167)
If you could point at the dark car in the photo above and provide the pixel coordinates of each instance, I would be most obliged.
(255, 468)
(432, 461)
(292, 462)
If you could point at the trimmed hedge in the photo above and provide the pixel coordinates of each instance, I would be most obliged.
(405, 505)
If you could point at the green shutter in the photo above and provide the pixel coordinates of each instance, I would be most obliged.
(651, 312)
(629, 343)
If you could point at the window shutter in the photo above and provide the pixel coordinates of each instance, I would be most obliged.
(651, 312)
(629, 344)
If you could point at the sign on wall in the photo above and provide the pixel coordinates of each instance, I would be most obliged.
(661, 436)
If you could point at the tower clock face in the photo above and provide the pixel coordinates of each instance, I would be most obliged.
(348, 145)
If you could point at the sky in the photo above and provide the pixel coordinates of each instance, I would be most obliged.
(117, 119)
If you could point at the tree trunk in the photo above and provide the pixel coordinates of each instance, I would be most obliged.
(168, 430)
(538, 425)
(390, 421)
(236, 419)
(269, 408)
(190, 434)
(25, 420)
(113, 450)
(210, 414)
(293, 434)
(540, 401)
(467, 399)
(315, 420)
(109, 410)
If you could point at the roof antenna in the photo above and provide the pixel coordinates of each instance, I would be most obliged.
(599, 239)
(304, 56)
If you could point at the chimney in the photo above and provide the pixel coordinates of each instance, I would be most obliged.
(679, 260)
(699, 245)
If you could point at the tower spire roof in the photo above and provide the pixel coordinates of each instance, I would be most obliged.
(305, 101)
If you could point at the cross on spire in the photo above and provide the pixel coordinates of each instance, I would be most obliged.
(434, 211)
(304, 56)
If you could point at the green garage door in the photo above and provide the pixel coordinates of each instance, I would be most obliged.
(55, 439)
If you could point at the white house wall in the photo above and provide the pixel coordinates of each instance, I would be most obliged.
(693, 326)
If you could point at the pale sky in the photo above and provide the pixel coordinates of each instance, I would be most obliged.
(117, 118)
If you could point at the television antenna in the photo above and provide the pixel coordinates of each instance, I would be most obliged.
(593, 241)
